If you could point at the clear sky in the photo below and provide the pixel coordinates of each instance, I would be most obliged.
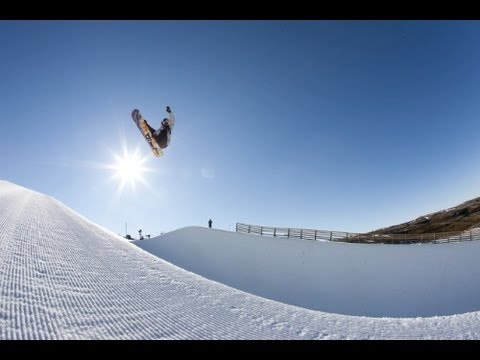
(336, 125)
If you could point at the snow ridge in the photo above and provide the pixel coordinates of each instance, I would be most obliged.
(62, 277)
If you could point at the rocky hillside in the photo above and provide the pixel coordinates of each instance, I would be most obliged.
(458, 218)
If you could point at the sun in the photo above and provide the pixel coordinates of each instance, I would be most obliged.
(129, 168)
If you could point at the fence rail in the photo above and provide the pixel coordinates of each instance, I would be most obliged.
(370, 238)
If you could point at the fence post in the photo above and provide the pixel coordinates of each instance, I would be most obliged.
(331, 236)
(249, 227)
(274, 231)
(261, 230)
(471, 239)
(288, 233)
(316, 234)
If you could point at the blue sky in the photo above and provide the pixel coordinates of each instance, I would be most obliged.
(336, 125)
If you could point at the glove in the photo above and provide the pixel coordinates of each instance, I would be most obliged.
(168, 109)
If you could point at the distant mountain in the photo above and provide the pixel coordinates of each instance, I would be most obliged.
(459, 218)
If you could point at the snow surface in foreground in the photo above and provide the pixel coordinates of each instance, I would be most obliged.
(63, 277)
(352, 279)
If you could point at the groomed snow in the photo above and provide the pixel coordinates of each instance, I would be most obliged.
(353, 279)
(64, 277)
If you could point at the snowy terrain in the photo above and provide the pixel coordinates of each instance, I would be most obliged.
(353, 279)
(64, 277)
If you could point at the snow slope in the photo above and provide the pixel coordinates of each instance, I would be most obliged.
(63, 277)
(354, 279)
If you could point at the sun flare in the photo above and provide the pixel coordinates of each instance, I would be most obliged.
(129, 168)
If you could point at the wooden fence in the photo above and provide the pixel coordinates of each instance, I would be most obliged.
(370, 238)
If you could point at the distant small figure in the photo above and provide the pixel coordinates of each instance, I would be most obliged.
(210, 223)
(140, 234)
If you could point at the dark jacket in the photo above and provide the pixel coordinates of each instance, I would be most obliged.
(163, 137)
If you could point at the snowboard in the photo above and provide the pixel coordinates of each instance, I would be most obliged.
(142, 126)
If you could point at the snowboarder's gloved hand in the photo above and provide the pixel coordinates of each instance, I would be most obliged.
(168, 109)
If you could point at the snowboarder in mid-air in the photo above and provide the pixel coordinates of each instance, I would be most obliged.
(163, 134)
(157, 139)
